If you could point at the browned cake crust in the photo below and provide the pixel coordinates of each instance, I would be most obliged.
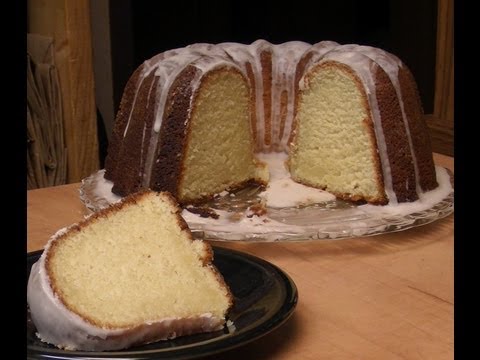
(169, 153)
(266, 61)
(204, 212)
(253, 96)
(398, 150)
(283, 113)
(299, 72)
(132, 152)
(418, 130)
(121, 120)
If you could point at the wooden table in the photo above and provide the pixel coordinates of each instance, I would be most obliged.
(383, 297)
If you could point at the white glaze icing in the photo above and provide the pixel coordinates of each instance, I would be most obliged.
(103, 189)
(282, 191)
(285, 58)
(57, 325)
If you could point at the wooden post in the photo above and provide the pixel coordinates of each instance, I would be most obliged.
(68, 22)
(441, 122)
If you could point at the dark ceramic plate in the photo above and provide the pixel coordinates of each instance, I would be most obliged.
(265, 297)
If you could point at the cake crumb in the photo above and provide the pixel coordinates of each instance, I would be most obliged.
(204, 212)
(256, 210)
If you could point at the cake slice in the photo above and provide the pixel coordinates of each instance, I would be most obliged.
(127, 275)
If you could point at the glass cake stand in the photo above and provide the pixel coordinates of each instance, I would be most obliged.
(335, 219)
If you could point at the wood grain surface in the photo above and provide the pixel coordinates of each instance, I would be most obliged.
(68, 23)
(383, 297)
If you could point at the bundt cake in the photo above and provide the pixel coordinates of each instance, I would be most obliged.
(130, 274)
(350, 117)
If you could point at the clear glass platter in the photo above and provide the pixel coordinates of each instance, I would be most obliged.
(238, 221)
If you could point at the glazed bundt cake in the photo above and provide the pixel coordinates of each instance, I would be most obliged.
(130, 274)
(192, 119)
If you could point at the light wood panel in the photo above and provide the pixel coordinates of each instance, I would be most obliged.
(68, 22)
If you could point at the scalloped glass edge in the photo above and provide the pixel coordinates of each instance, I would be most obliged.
(347, 221)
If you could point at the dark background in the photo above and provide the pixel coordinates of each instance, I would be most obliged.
(141, 29)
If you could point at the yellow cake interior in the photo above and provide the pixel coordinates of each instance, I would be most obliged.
(334, 145)
(219, 153)
(134, 266)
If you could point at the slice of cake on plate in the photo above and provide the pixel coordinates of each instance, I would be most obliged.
(130, 274)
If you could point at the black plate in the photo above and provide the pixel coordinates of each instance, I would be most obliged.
(265, 297)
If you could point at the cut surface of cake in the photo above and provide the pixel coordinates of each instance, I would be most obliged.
(192, 120)
(219, 154)
(332, 108)
(127, 275)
